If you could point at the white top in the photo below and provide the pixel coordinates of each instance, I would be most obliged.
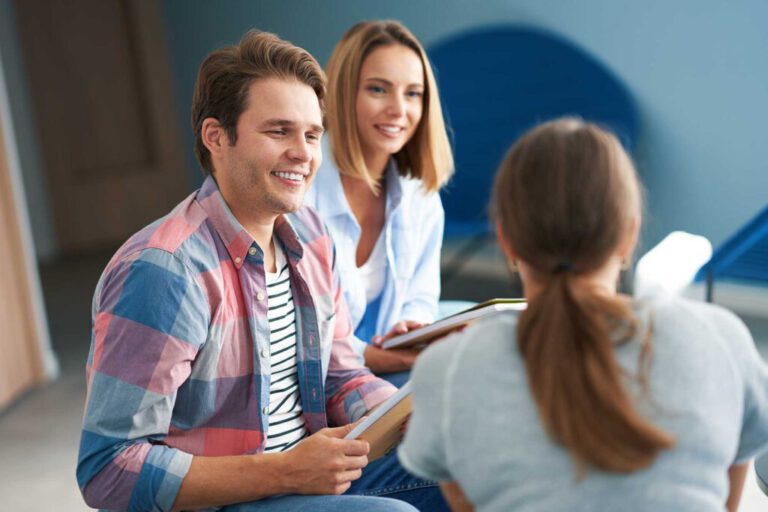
(708, 387)
(371, 274)
(413, 234)
(286, 423)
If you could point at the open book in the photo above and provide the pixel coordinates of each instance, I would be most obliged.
(445, 325)
(382, 426)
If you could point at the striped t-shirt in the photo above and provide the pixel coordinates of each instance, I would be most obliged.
(286, 424)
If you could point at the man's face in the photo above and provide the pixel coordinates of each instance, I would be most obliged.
(267, 172)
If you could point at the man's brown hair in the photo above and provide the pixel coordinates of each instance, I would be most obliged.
(221, 89)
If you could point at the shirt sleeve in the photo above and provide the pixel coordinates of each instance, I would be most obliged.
(424, 288)
(358, 346)
(754, 374)
(424, 449)
(351, 389)
(150, 319)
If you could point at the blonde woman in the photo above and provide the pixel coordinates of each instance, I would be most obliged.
(386, 158)
(590, 400)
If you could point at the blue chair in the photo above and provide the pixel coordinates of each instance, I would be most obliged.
(743, 256)
(496, 83)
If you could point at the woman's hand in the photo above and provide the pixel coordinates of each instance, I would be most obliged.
(395, 359)
(392, 360)
(389, 361)
(399, 328)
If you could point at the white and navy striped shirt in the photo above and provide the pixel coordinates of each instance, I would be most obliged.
(286, 424)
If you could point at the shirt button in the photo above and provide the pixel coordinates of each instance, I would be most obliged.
(264, 352)
(260, 295)
(252, 251)
(237, 259)
(265, 410)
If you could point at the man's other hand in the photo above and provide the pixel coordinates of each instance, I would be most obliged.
(325, 462)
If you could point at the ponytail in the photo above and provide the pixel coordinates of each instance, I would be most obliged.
(576, 381)
(567, 199)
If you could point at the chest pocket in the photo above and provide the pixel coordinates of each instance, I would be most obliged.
(326, 325)
(326, 321)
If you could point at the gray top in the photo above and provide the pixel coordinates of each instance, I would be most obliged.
(474, 421)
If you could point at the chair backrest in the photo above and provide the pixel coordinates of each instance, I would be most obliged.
(496, 83)
(744, 255)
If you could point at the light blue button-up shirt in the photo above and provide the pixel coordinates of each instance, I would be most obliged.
(413, 235)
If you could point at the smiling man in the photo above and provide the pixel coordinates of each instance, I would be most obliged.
(221, 370)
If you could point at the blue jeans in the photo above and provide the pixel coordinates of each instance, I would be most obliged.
(384, 487)
(397, 379)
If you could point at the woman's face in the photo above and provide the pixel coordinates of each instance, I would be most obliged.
(390, 100)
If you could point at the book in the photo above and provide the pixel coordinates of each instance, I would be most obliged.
(428, 333)
(381, 428)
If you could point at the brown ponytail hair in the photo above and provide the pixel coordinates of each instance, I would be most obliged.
(565, 198)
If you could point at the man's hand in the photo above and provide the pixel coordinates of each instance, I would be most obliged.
(325, 462)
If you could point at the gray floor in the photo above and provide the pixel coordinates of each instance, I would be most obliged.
(39, 433)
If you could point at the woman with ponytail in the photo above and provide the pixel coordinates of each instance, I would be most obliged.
(587, 400)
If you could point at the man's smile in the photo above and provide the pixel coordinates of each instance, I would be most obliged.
(295, 177)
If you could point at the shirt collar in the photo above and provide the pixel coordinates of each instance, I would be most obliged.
(330, 190)
(285, 232)
(394, 184)
(236, 238)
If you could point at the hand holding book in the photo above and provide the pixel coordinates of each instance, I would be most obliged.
(383, 427)
(394, 360)
(398, 329)
(429, 333)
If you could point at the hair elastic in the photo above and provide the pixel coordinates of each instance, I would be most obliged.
(563, 266)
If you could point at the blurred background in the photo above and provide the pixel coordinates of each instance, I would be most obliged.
(96, 142)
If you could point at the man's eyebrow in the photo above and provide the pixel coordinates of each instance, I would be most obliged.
(287, 123)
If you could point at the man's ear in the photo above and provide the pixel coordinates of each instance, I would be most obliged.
(504, 244)
(213, 135)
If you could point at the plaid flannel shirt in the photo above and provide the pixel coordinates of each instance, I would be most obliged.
(179, 359)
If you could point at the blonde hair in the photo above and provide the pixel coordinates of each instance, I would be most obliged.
(427, 155)
(566, 196)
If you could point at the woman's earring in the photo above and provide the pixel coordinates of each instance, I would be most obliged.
(512, 265)
(626, 263)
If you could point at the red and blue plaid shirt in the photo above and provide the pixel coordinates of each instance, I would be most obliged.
(179, 359)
